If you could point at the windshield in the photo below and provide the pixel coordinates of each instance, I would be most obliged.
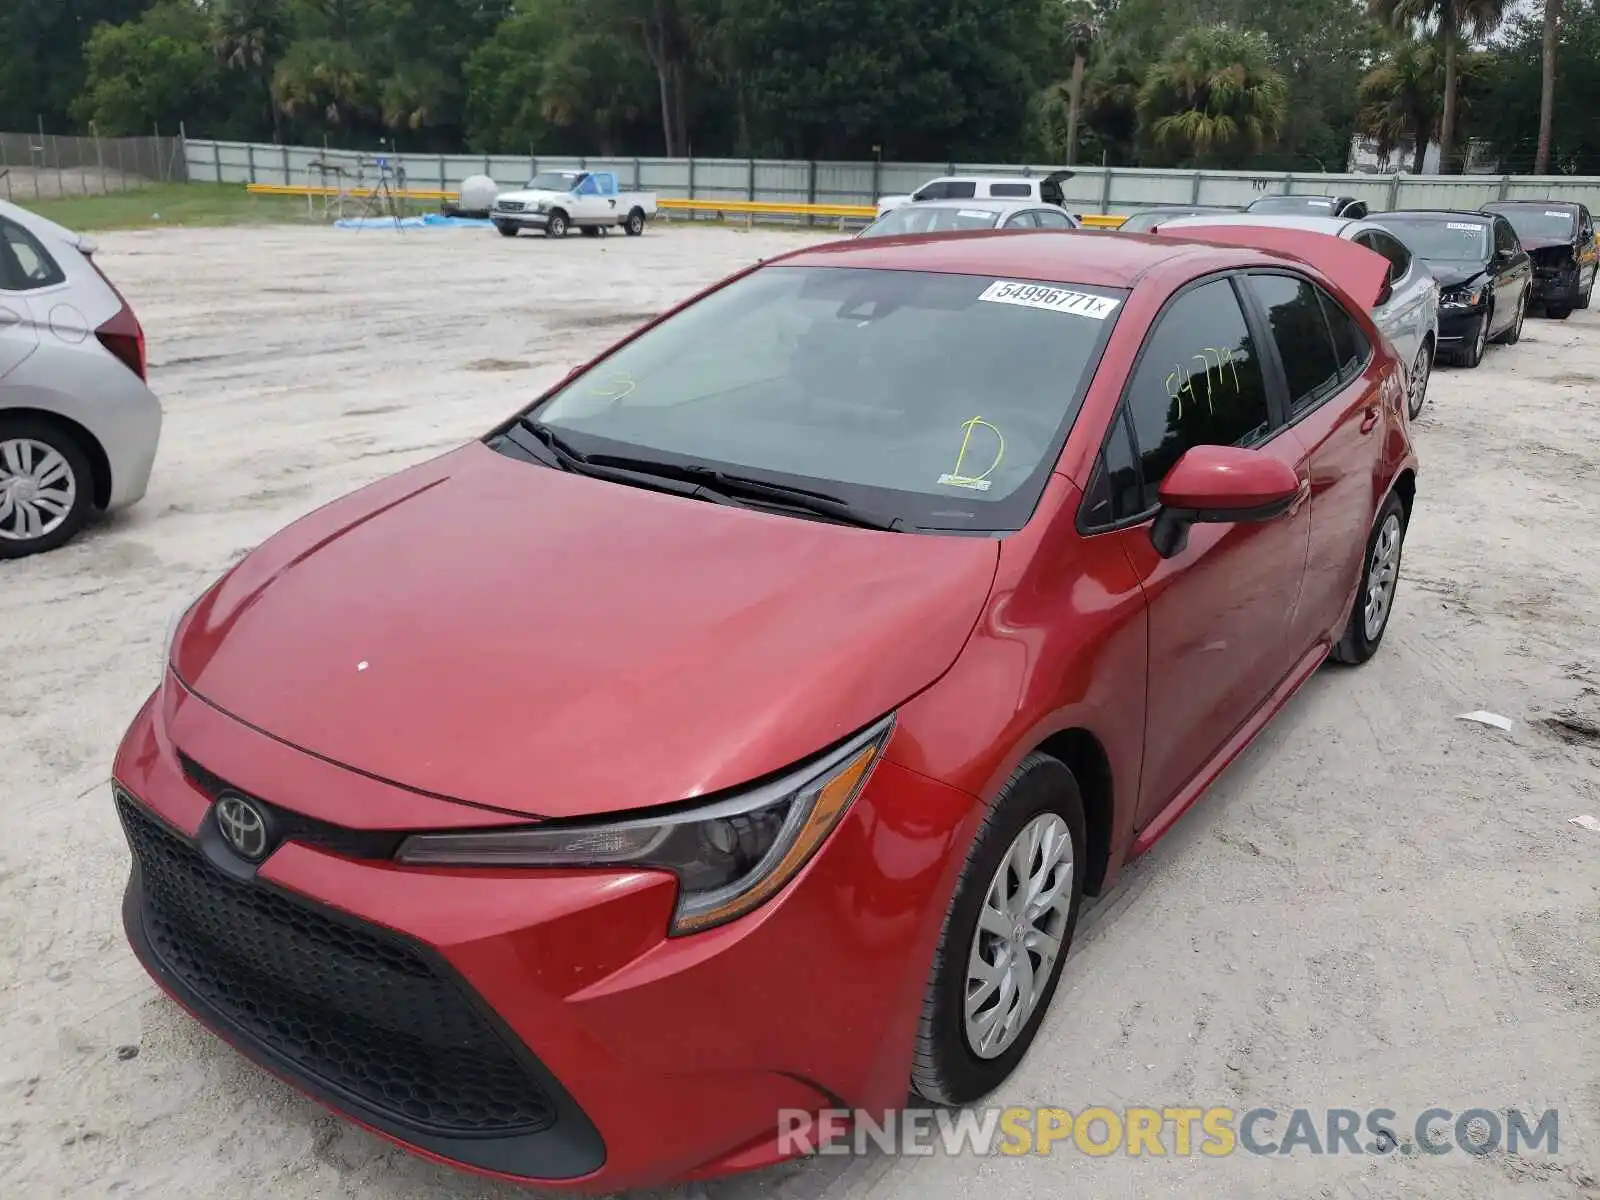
(939, 399)
(914, 218)
(1435, 239)
(553, 181)
(1304, 205)
(1539, 224)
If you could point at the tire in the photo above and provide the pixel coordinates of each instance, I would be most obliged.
(508, 228)
(948, 1068)
(1385, 545)
(46, 486)
(1472, 354)
(590, 231)
(1558, 312)
(1588, 295)
(556, 225)
(1513, 335)
(634, 225)
(1421, 372)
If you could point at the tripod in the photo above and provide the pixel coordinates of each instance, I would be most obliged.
(383, 199)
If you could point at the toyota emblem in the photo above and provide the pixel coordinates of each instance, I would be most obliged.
(242, 826)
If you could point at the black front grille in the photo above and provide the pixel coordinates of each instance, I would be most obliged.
(361, 1011)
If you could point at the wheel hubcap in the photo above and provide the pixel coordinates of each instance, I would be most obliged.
(1381, 576)
(1020, 928)
(37, 489)
(1419, 380)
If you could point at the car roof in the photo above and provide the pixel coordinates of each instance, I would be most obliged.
(997, 204)
(1306, 196)
(1328, 225)
(1499, 204)
(1083, 257)
(1442, 214)
(1188, 208)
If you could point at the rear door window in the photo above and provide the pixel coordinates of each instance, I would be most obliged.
(959, 189)
(1392, 249)
(1022, 220)
(1052, 220)
(1300, 331)
(1350, 346)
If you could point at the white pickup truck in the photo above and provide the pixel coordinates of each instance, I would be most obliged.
(556, 201)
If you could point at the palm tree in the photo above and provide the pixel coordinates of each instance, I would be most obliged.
(1080, 35)
(1452, 20)
(249, 36)
(1401, 99)
(1215, 95)
(1547, 90)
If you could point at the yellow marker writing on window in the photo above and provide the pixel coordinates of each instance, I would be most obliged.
(614, 387)
(979, 482)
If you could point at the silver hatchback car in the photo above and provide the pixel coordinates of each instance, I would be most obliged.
(78, 424)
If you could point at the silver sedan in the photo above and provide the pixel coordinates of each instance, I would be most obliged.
(78, 424)
(951, 216)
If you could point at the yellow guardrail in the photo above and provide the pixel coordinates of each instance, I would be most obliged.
(670, 204)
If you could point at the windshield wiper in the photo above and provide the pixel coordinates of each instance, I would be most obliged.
(705, 483)
(761, 491)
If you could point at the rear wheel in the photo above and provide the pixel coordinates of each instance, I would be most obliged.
(1558, 312)
(46, 486)
(1421, 370)
(1005, 937)
(634, 225)
(1379, 577)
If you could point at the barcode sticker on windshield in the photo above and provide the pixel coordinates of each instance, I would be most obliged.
(976, 214)
(1463, 226)
(1035, 295)
(1555, 213)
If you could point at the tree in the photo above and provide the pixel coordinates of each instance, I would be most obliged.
(42, 55)
(1547, 85)
(1451, 20)
(249, 36)
(1508, 103)
(1402, 98)
(1214, 97)
(148, 71)
(1080, 33)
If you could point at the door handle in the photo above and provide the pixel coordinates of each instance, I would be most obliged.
(1369, 418)
(7, 317)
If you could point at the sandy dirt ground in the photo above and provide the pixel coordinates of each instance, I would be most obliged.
(1379, 905)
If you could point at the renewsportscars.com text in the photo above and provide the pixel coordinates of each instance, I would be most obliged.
(1178, 1131)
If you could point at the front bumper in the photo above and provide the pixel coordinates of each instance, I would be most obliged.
(529, 220)
(1459, 324)
(642, 1059)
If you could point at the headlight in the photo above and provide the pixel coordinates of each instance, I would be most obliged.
(729, 856)
(1462, 298)
(542, 206)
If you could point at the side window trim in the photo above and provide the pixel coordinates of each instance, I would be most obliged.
(13, 278)
(1272, 377)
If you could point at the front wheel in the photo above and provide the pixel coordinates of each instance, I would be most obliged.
(507, 228)
(46, 487)
(1421, 370)
(556, 225)
(1514, 335)
(1005, 936)
(1472, 355)
(634, 225)
(1380, 576)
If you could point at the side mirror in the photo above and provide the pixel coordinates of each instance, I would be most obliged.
(1222, 485)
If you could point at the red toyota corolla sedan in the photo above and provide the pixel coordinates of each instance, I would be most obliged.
(739, 728)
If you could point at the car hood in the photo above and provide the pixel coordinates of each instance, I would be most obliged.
(509, 635)
(533, 196)
(1453, 272)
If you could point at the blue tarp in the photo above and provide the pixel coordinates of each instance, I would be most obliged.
(429, 221)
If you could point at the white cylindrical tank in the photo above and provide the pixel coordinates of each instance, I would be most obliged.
(478, 193)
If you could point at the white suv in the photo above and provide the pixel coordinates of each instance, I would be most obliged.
(1041, 189)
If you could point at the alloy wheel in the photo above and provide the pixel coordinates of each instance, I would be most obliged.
(1018, 939)
(1381, 576)
(1419, 382)
(37, 489)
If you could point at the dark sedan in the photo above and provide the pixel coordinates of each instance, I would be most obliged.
(1483, 272)
(1559, 237)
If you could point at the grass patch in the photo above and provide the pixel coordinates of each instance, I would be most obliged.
(193, 204)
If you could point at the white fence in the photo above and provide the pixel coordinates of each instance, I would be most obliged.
(1091, 189)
